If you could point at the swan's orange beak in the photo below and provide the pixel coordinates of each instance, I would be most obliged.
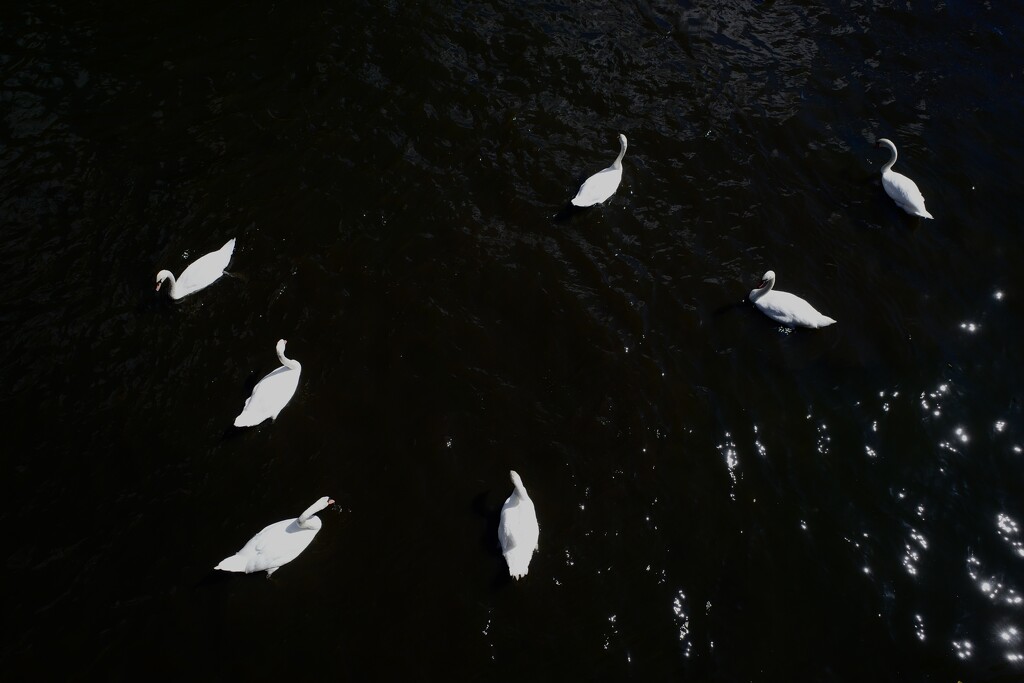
(158, 285)
(763, 283)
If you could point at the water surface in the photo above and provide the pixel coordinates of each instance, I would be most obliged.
(719, 499)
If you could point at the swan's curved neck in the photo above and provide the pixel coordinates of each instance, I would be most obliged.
(618, 160)
(287, 362)
(308, 514)
(172, 288)
(892, 159)
(306, 520)
(762, 290)
(521, 493)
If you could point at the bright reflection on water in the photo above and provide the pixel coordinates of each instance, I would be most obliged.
(1009, 531)
(823, 437)
(679, 609)
(919, 627)
(963, 649)
(728, 450)
(929, 494)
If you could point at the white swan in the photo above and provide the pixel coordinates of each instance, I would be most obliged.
(786, 308)
(202, 272)
(271, 393)
(899, 187)
(602, 185)
(518, 531)
(278, 544)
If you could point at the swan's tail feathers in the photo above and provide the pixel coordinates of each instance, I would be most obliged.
(826, 321)
(235, 563)
(249, 419)
(518, 562)
(230, 245)
(924, 214)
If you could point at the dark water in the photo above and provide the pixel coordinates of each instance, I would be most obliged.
(719, 499)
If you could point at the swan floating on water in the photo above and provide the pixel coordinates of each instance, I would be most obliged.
(271, 393)
(899, 187)
(518, 530)
(202, 272)
(278, 544)
(786, 308)
(602, 185)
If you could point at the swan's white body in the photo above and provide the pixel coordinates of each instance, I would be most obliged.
(518, 530)
(899, 187)
(602, 185)
(278, 544)
(786, 308)
(271, 393)
(202, 272)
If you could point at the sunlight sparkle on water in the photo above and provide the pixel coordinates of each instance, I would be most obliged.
(970, 327)
(1011, 636)
(990, 586)
(963, 648)
(1009, 530)
(731, 461)
(614, 631)
(823, 438)
(678, 608)
(761, 450)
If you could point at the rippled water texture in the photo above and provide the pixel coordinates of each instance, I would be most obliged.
(719, 499)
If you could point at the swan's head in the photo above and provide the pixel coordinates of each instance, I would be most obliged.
(516, 481)
(161, 276)
(768, 280)
(622, 140)
(885, 142)
(323, 502)
(281, 343)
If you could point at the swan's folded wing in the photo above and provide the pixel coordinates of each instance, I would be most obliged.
(905, 193)
(598, 187)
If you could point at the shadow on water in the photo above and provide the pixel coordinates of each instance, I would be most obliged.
(213, 578)
(491, 517)
(567, 212)
(231, 432)
(488, 539)
(729, 308)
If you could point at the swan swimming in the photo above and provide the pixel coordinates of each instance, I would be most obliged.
(202, 272)
(602, 185)
(899, 187)
(278, 544)
(518, 531)
(786, 308)
(271, 393)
